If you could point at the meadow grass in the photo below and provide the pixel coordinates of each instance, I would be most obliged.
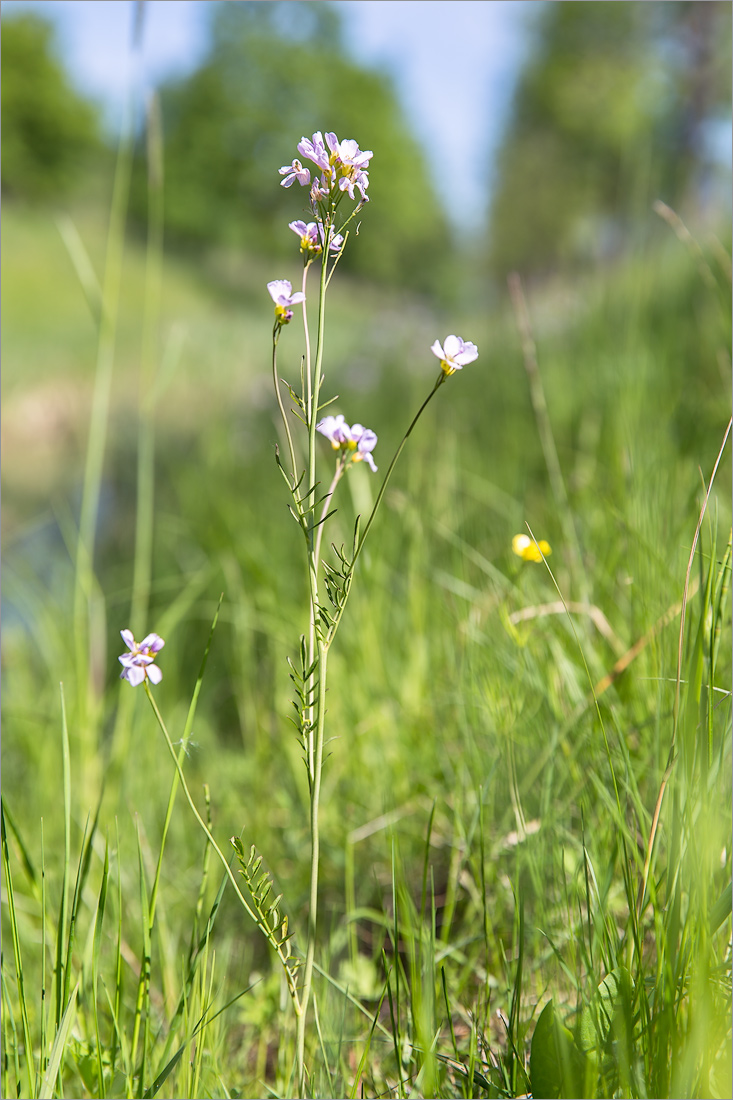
(526, 805)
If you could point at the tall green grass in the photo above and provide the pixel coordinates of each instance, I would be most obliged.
(526, 807)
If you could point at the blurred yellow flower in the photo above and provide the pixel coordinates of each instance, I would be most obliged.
(527, 549)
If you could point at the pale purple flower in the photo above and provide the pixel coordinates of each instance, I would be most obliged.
(337, 241)
(335, 429)
(343, 165)
(281, 292)
(320, 190)
(315, 151)
(137, 665)
(293, 172)
(455, 353)
(311, 237)
(352, 180)
(365, 440)
(349, 164)
(356, 442)
(308, 234)
(348, 152)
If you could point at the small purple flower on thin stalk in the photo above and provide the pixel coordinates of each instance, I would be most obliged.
(349, 163)
(308, 234)
(365, 440)
(356, 443)
(137, 665)
(311, 238)
(337, 241)
(348, 152)
(335, 429)
(454, 354)
(315, 151)
(343, 166)
(281, 292)
(293, 172)
(319, 191)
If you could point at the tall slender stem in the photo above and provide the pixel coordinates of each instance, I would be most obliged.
(308, 395)
(340, 467)
(316, 657)
(315, 858)
(316, 378)
(276, 383)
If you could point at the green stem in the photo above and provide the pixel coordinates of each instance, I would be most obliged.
(340, 467)
(308, 395)
(315, 648)
(312, 419)
(315, 855)
(276, 383)
(316, 379)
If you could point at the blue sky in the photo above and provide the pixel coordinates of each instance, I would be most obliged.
(455, 64)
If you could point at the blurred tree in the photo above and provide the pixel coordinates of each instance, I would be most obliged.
(610, 113)
(49, 131)
(276, 72)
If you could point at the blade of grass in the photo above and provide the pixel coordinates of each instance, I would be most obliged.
(10, 1043)
(142, 1004)
(678, 683)
(59, 1046)
(321, 1043)
(43, 1010)
(116, 1003)
(165, 1073)
(25, 856)
(15, 939)
(61, 930)
(365, 1052)
(96, 950)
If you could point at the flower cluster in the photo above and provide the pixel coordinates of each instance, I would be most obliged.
(281, 292)
(355, 442)
(343, 167)
(529, 550)
(137, 665)
(454, 354)
(311, 238)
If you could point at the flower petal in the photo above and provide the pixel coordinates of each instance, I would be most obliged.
(133, 675)
(279, 288)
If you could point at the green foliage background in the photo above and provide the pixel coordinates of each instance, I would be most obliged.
(610, 112)
(50, 133)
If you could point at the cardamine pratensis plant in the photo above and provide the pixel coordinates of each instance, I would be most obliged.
(338, 192)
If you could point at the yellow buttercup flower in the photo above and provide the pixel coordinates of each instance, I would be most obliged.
(527, 549)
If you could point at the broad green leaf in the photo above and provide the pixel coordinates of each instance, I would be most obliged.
(557, 1068)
